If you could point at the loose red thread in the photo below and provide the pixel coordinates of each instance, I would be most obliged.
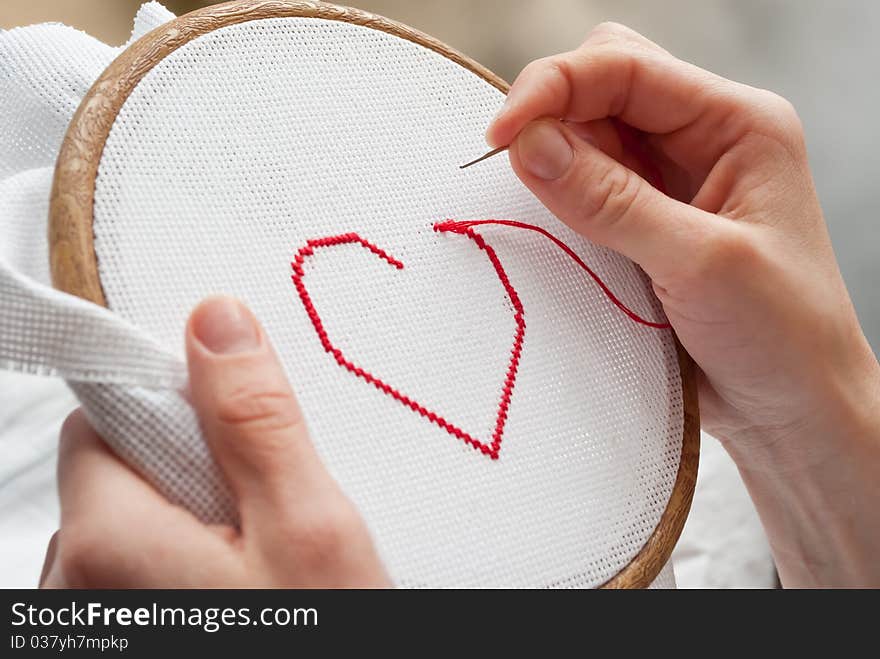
(465, 227)
(491, 449)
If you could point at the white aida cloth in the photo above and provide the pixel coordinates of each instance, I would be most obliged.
(227, 158)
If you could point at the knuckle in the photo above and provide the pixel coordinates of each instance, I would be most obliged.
(782, 108)
(533, 68)
(608, 31)
(80, 553)
(71, 423)
(322, 536)
(71, 429)
(729, 253)
(620, 39)
(548, 70)
(256, 409)
(612, 195)
(76, 433)
(778, 116)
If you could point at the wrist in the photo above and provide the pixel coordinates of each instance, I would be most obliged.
(815, 483)
(837, 416)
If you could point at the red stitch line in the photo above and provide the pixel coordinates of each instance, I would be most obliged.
(492, 449)
(465, 227)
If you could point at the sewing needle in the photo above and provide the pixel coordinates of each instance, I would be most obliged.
(493, 152)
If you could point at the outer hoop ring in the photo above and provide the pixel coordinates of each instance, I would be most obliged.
(74, 263)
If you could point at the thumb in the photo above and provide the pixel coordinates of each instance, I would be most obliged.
(605, 201)
(249, 415)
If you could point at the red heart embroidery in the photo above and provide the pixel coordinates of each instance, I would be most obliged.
(491, 448)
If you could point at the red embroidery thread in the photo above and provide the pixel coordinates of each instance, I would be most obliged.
(465, 226)
(491, 449)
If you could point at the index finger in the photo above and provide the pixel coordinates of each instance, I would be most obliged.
(116, 530)
(646, 88)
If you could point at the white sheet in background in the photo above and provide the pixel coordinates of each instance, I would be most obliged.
(31, 414)
(727, 547)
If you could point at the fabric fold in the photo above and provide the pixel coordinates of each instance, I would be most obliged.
(45, 70)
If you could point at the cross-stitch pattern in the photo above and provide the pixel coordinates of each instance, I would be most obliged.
(488, 448)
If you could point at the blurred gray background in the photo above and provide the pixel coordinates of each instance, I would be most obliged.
(824, 56)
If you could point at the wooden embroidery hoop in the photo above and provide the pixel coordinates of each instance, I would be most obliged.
(74, 263)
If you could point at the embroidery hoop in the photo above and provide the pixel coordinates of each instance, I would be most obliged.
(73, 259)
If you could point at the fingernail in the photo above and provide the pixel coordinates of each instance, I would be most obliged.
(224, 326)
(544, 151)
